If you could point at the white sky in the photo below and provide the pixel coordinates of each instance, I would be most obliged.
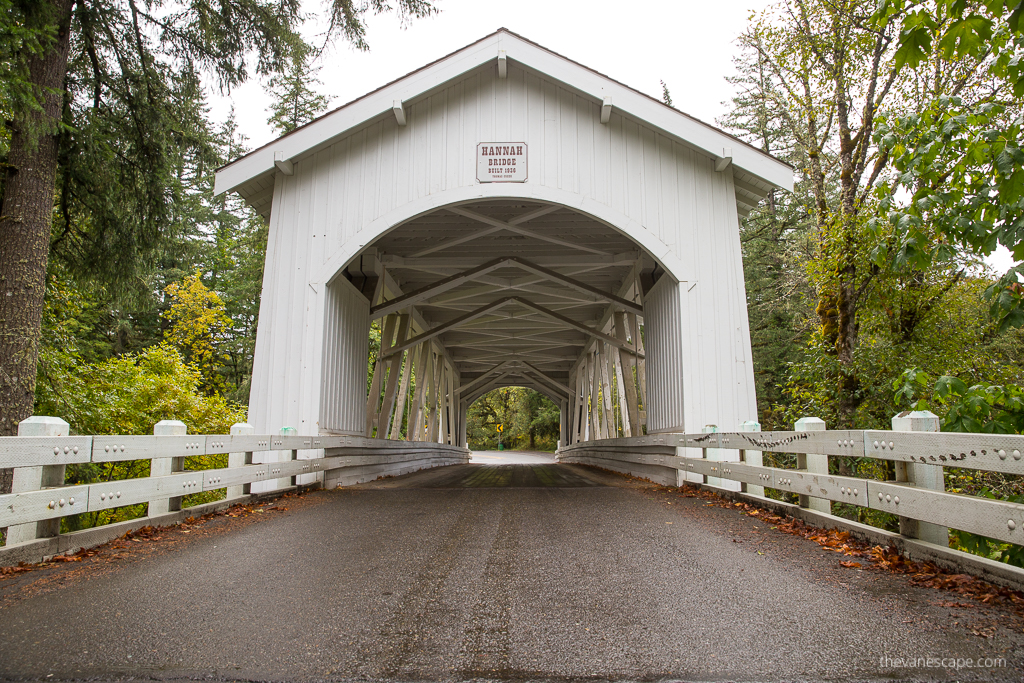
(689, 45)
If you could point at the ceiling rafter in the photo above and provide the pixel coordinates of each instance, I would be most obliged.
(429, 292)
(510, 225)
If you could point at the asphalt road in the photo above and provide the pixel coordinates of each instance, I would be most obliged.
(538, 572)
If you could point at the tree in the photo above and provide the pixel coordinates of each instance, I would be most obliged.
(529, 418)
(959, 156)
(296, 101)
(100, 102)
(198, 326)
(834, 71)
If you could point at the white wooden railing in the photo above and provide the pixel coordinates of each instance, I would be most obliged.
(41, 452)
(917, 496)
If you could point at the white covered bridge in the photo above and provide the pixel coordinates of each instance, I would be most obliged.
(511, 218)
(514, 218)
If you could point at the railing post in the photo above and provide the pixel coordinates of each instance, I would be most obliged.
(721, 455)
(813, 463)
(292, 455)
(240, 459)
(160, 467)
(36, 478)
(921, 475)
(751, 458)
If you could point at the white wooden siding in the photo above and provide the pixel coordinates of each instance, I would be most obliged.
(661, 193)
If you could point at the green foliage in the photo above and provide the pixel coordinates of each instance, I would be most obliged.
(980, 408)
(198, 326)
(530, 420)
(296, 101)
(130, 394)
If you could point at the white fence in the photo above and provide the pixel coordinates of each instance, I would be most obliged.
(40, 499)
(917, 496)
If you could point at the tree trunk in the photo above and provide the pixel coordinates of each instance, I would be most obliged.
(25, 220)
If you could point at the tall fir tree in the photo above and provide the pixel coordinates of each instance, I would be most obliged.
(296, 101)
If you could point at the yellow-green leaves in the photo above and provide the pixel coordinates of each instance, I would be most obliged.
(198, 324)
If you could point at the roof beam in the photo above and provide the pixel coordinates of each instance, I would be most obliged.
(431, 291)
(502, 64)
(441, 329)
(606, 110)
(469, 386)
(424, 293)
(724, 161)
(614, 341)
(283, 164)
(455, 241)
(626, 258)
(399, 112)
(577, 285)
(544, 379)
(511, 227)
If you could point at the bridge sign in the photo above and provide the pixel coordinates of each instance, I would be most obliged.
(501, 162)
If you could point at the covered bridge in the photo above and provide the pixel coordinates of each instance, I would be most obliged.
(512, 218)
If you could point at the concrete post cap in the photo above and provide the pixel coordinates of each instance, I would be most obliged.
(289, 431)
(710, 429)
(170, 428)
(750, 426)
(916, 421)
(43, 425)
(242, 428)
(810, 424)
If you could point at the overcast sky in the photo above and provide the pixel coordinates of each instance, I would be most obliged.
(688, 44)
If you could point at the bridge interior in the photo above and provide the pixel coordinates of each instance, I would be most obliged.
(506, 293)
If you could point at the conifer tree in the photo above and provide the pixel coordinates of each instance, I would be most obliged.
(296, 101)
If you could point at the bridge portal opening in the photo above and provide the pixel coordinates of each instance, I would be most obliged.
(479, 297)
(503, 210)
(512, 417)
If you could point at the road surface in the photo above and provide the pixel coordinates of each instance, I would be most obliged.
(513, 572)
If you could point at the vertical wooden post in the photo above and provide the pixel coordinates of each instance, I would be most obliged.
(582, 410)
(627, 428)
(36, 478)
(922, 475)
(442, 413)
(574, 401)
(373, 397)
(595, 408)
(563, 420)
(414, 430)
(813, 463)
(394, 370)
(160, 467)
(751, 458)
(611, 431)
(403, 393)
(463, 410)
(292, 454)
(434, 389)
(628, 365)
(635, 323)
(240, 459)
(711, 454)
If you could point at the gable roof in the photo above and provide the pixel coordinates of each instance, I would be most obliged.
(252, 174)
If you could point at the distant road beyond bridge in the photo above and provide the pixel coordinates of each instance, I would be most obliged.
(541, 572)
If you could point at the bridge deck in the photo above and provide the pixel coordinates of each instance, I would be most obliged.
(540, 572)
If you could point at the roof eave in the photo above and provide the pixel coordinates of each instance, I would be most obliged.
(688, 130)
